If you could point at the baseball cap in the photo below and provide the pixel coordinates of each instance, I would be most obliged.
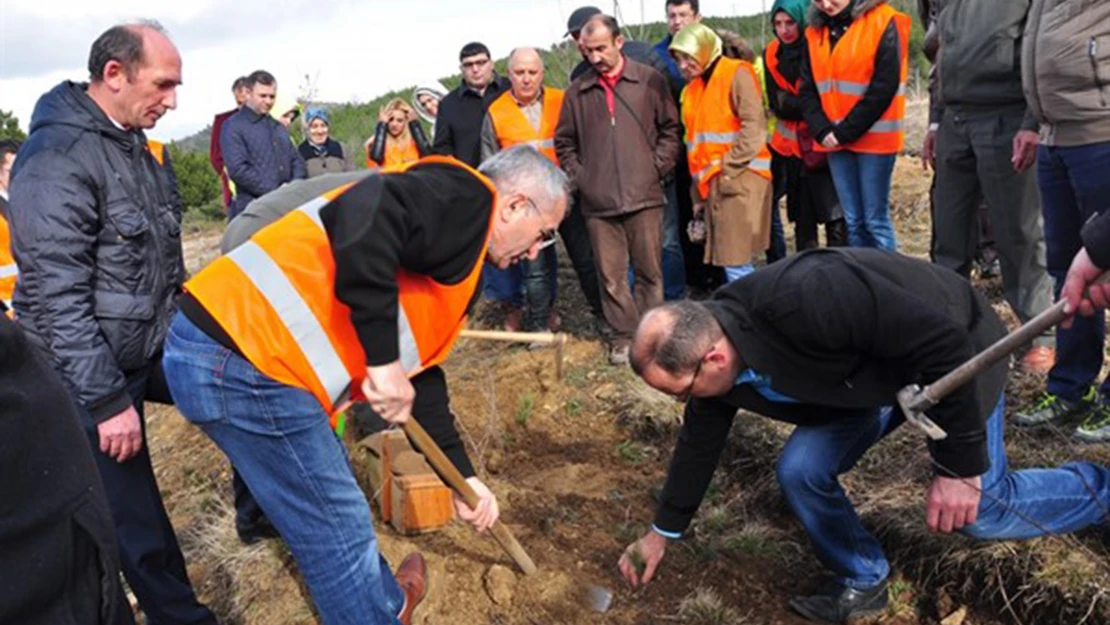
(579, 18)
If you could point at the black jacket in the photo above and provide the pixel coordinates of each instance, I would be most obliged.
(1096, 238)
(840, 331)
(96, 226)
(459, 124)
(58, 552)
(880, 93)
(259, 156)
(784, 104)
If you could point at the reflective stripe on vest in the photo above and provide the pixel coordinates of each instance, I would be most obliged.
(842, 75)
(513, 128)
(275, 298)
(711, 126)
(9, 271)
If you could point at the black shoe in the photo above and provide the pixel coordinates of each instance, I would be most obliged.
(838, 604)
(258, 531)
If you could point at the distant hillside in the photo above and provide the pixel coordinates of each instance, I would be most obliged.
(352, 124)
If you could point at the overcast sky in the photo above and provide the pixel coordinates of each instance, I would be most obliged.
(353, 50)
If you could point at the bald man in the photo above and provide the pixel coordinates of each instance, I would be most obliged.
(825, 340)
(528, 113)
(96, 223)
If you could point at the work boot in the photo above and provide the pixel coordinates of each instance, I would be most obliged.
(839, 604)
(1053, 409)
(1039, 360)
(412, 577)
(1095, 427)
(514, 318)
(256, 532)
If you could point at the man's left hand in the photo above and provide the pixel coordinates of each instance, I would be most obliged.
(486, 513)
(952, 503)
(1025, 150)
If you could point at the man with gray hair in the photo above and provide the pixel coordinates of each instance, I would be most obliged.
(359, 293)
(96, 220)
(528, 114)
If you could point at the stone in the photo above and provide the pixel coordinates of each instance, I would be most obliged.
(500, 584)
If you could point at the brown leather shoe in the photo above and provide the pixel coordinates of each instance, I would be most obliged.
(412, 577)
(514, 319)
(1039, 360)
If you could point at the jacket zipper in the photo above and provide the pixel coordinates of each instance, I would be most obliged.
(1092, 53)
(616, 159)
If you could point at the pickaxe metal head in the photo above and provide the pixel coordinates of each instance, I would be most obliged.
(914, 401)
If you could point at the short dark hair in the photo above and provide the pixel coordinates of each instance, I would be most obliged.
(241, 82)
(122, 43)
(8, 146)
(261, 77)
(607, 21)
(677, 3)
(474, 48)
(692, 329)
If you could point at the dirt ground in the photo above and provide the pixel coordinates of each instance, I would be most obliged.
(572, 462)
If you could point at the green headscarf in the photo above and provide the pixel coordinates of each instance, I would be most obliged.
(698, 41)
(796, 9)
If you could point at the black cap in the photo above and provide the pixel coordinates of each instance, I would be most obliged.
(579, 18)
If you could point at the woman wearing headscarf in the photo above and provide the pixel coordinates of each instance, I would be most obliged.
(321, 153)
(398, 137)
(426, 99)
(726, 143)
(854, 103)
(810, 195)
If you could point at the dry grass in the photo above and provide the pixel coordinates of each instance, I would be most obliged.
(705, 607)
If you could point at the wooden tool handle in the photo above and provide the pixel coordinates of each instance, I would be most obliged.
(515, 337)
(455, 480)
(1004, 347)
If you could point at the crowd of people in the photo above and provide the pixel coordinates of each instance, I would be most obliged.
(661, 167)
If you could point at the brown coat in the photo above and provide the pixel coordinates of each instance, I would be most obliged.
(738, 210)
(617, 163)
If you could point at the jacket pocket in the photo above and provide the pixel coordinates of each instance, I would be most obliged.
(127, 322)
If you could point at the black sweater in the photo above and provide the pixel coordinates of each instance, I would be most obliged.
(459, 125)
(784, 104)
(1096, 238)
(841, 331)
(880, 93)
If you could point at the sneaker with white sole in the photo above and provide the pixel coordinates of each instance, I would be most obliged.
(1095, 427)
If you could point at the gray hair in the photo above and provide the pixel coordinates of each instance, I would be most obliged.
(683, 341)
(122, 43)
(512, 56)
(523, 169)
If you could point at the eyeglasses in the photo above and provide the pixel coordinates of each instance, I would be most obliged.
(475, 64)
(685, 395)
(547, 235)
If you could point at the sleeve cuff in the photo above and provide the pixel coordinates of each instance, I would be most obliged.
(664, 533)
(110, 406)
(379, 340)
(960, 459)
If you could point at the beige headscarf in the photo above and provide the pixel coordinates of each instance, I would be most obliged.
(700, 42)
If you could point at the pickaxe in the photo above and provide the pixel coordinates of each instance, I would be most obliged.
(915, 400)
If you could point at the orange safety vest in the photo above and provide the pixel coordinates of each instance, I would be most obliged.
(275, 297)
(785, 138)
(158, 150)
(396, 153)
(513, 128)
(843, 75)
(712, 127)
(9, 273)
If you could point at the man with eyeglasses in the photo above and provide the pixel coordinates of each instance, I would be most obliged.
(459, 125)
(360, 292)
(825, 340)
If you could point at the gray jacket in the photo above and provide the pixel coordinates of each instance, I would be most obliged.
(96, 225)
(979, 56)
(1065, 60)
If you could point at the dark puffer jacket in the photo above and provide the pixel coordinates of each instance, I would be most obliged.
(96, 231)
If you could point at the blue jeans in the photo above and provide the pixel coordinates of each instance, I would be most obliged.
(674, 265)
(1074, 186)
(503, 285)
(279, 440)
(863, 185)
(1059, 500)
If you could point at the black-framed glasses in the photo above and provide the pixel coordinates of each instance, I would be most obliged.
(684, 396)
(547, 235)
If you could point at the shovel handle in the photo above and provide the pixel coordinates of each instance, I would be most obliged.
(455, 480)
(1005, 346)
